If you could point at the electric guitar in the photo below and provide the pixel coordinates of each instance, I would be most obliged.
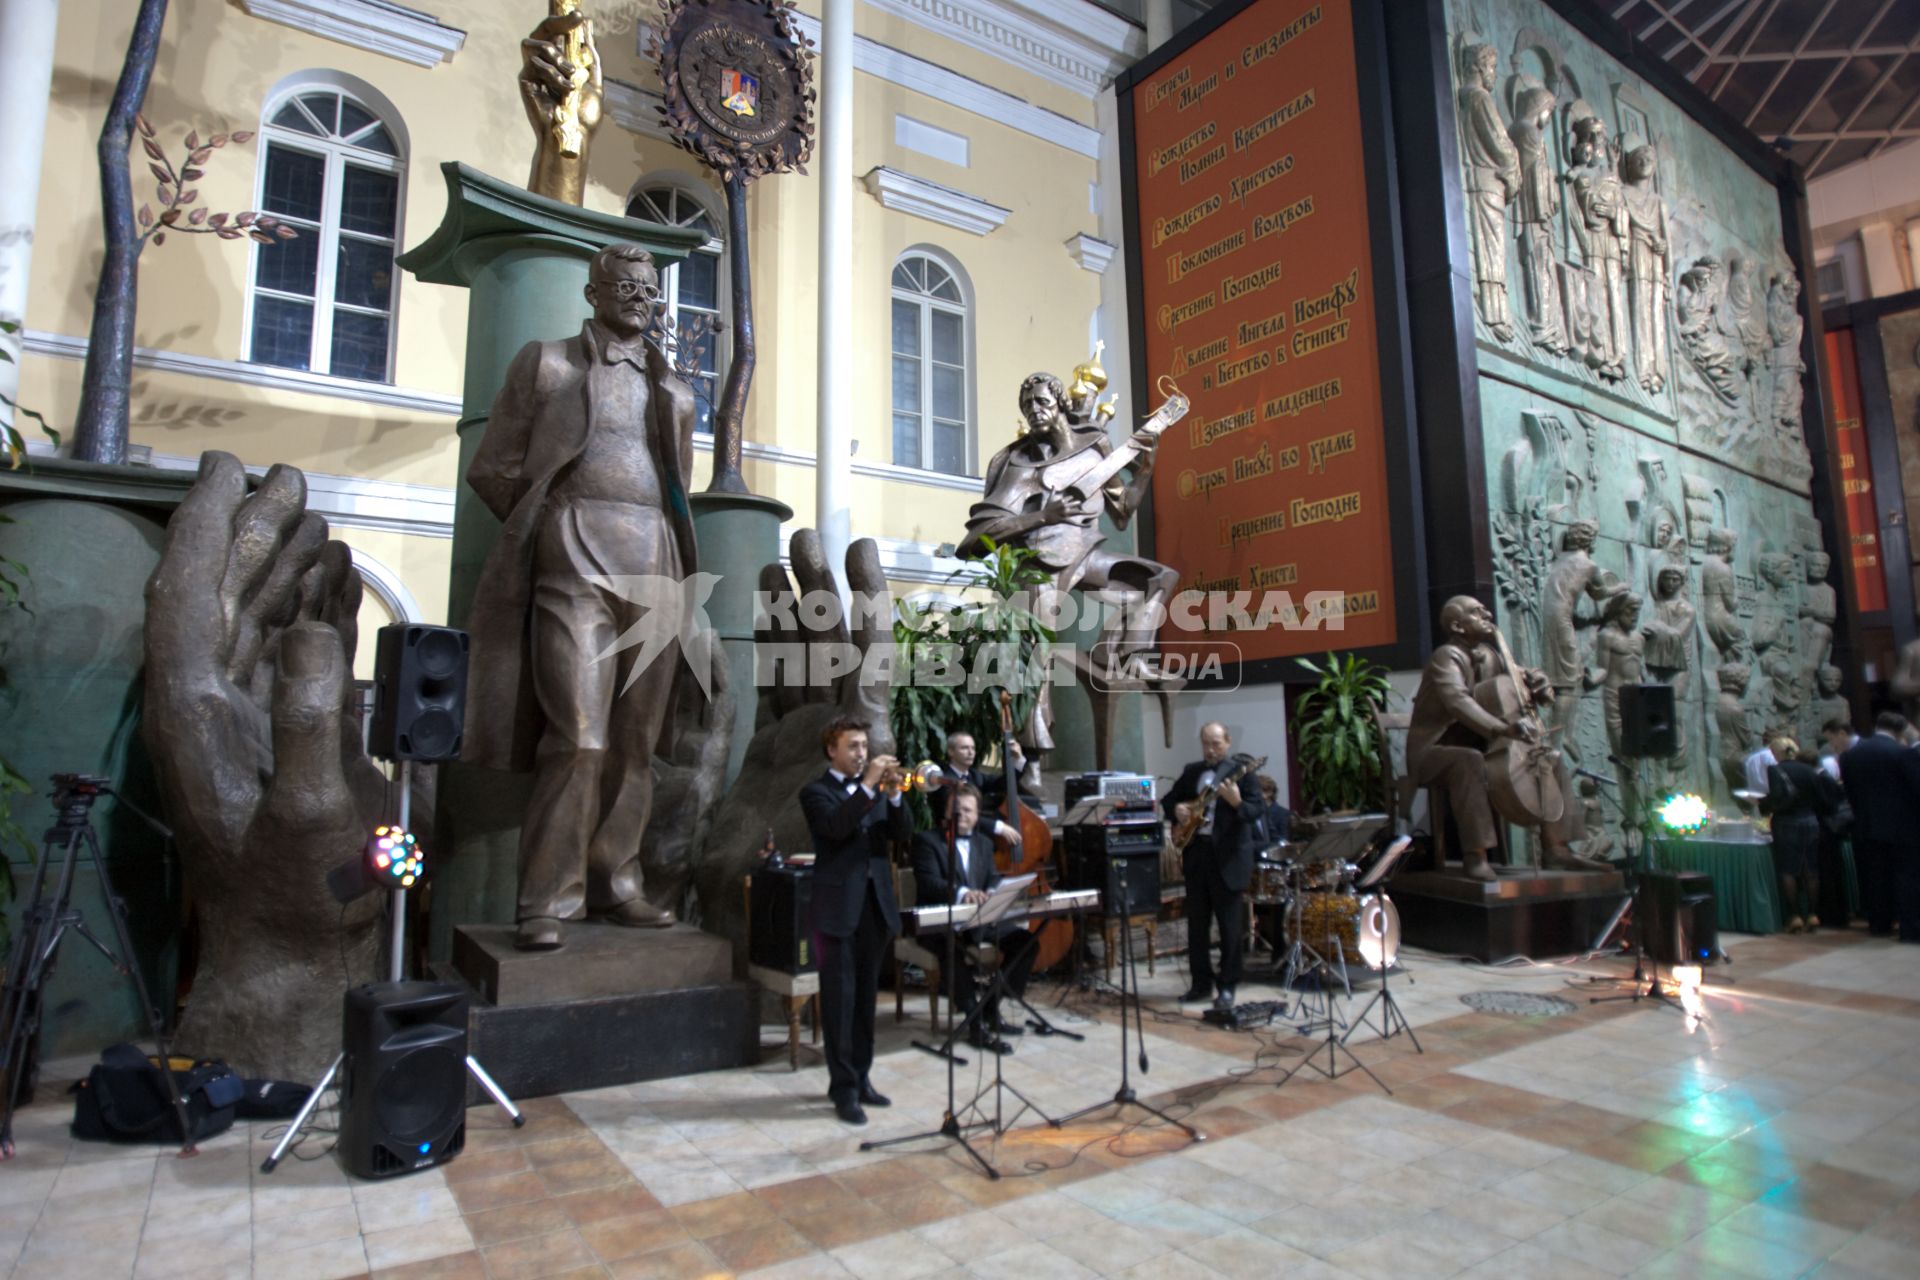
(1241, 766)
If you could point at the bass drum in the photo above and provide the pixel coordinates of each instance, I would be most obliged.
(1324, 919)
(1379, 928)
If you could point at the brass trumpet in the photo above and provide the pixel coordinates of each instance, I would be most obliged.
(925, 776)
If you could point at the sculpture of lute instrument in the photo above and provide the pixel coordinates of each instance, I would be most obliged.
(1239, 767)
(1523, 781)
(1084, 471)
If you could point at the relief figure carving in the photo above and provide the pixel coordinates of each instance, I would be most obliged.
(1818, 609)
(1784, 330)
(1730, 717)
(1534, 207)
(1492, 171)
(1620, 651)
(1573, 574)
(1697, 324)
(1719, 595)
(1649, 262)
(1599, 232)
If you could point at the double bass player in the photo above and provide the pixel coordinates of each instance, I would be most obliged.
(1453, 734)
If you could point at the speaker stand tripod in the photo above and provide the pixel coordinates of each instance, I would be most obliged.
(45, 923)
(1640, 864)
(396, 973)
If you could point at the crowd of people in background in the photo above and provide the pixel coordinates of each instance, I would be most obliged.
(1862, 790)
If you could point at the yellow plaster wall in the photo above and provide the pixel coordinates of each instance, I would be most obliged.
(216, 68)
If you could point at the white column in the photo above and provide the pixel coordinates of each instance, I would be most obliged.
(833, 473)
(1159, 23)
(26, 79)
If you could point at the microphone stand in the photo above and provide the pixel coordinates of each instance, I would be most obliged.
(950, 1127)
(1129, 991)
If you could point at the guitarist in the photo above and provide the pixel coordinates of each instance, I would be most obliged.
(1218, 863)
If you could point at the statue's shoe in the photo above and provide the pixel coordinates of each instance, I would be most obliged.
(1571, 861)
(637, 914)
(538, 933)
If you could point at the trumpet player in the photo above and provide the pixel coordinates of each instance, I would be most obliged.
(853, 811)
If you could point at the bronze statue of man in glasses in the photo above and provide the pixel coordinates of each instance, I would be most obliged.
(586, 461)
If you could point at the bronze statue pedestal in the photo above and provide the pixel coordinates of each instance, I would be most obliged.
(1529, 913)
(614, 1006)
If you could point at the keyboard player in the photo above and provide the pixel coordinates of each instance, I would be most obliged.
(963, 873)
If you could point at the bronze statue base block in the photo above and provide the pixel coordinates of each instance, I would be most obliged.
(612, 1006)
(595, 961)
(1523, 913)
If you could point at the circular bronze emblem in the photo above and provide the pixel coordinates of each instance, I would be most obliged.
(738, 84)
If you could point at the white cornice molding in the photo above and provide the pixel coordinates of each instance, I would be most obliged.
(1092, 253)
(635, 109)
(373, 25)
(1072, 43)
(891, 65)
(347, 502)
(66, 346)
(904, 193)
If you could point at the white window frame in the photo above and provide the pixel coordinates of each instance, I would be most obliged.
(716, 246)
(336, 154)
(928, 304)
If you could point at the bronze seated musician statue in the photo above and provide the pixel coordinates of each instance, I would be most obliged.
(1476, 737)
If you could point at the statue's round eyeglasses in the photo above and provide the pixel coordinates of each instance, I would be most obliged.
(629, 289)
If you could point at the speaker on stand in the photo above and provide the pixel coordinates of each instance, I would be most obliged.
(403, 1062)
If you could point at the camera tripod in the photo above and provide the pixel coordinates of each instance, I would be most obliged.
(396, 973)
(45, 923)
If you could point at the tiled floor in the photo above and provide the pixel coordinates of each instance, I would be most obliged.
(1779, 1137)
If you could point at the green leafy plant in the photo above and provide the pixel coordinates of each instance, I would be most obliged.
(13, 442)
(953, 659)
(1333, 732)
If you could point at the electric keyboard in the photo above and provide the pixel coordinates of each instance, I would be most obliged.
(918, 920)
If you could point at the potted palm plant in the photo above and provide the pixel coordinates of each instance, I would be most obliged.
(1333, 732)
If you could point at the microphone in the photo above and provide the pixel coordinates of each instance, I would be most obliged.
(1602, 779)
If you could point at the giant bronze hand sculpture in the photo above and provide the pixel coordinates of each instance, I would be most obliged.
(253, 728)
(560, 83)
(785, 752)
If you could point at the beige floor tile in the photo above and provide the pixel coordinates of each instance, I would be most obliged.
(1527, 1261)
(1595, 1246)
(334, 1259)
(901, 1256)
(1032, 1261)
(227, 1251)
(432, 1239)
(401, 1204)
(1247, 1255)
(1109, 1247)
(1762, 1259)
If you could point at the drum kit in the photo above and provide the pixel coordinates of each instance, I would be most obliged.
(1327, 894)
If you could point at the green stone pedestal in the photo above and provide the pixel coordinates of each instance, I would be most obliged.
(737, 534)
(524, 259)
(90, 537)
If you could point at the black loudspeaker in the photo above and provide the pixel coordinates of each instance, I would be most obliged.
(1648, 729)
(1091, 865)
(1681, 923)
(781, 938)
(419, 693)
(403, 1078)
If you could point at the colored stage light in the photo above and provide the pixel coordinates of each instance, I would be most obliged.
(395, 857)
(1684, 814)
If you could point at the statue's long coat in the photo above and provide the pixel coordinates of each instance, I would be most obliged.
(538, 425)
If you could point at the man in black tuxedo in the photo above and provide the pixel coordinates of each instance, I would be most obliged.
(1882, 780)
(854, 912)
(938, 879)
(1218, 864)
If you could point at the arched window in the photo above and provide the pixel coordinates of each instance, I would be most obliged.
(690, 291)
(932, 370)
(333, 170)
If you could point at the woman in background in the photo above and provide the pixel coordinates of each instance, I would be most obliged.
(1797, 796)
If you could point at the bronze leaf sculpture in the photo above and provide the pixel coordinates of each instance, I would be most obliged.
(254, 731)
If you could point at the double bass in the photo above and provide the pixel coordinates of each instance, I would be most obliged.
(1523, 778)
(1054, 936)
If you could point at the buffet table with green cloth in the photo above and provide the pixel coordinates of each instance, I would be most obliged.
(1744, 894)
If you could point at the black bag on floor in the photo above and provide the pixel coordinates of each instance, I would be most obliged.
(272, 1100)
(124, 1098)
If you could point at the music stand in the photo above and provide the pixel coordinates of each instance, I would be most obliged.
(1393, 1020)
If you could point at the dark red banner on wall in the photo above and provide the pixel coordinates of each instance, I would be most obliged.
(1859, 519)
(1257, 282)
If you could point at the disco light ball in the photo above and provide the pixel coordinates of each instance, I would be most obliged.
(1684, 814)
(395, 857)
